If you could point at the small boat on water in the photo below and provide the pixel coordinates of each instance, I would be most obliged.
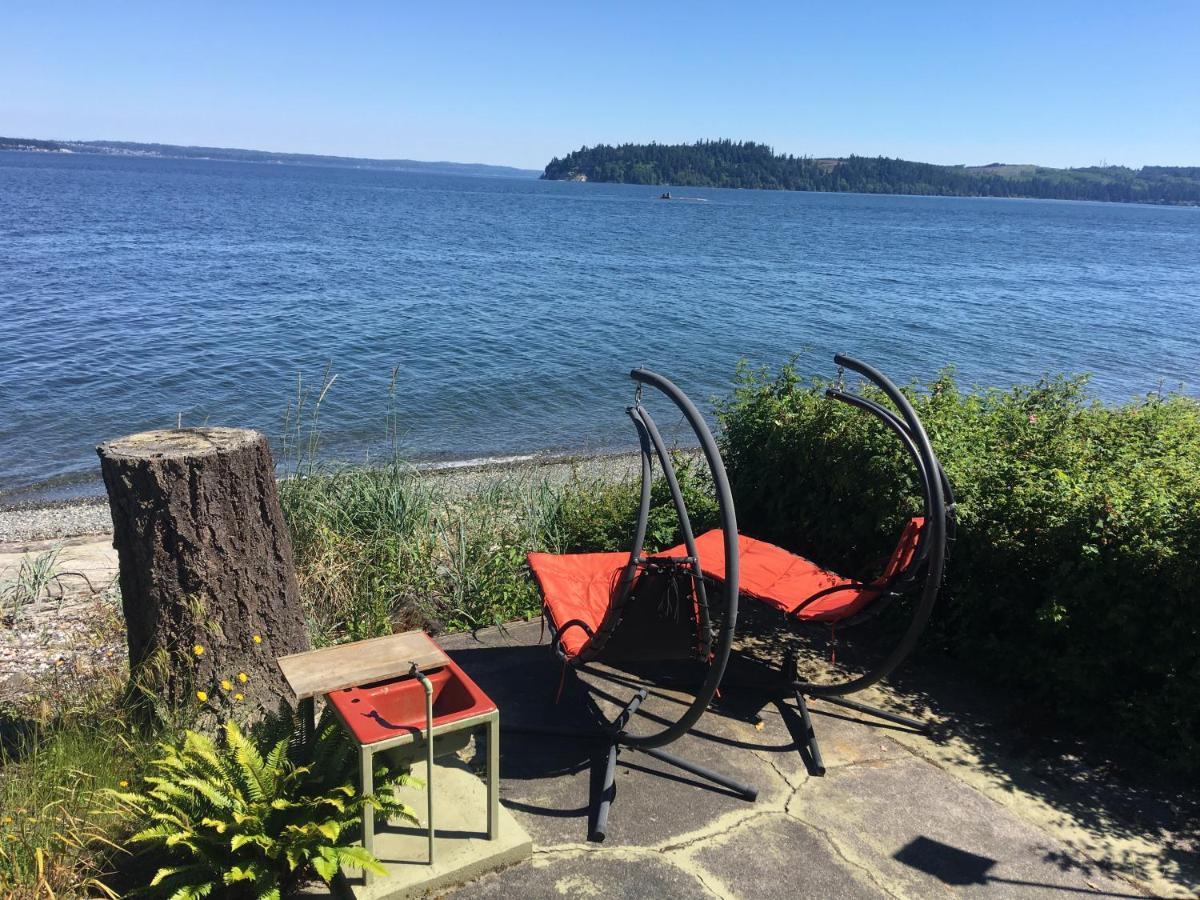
(666, 195)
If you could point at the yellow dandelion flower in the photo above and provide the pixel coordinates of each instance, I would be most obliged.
(243, 677)
(258, 639)
(239, 697)
(198, 650)
(226, 684)
(202, 696)
(13, 838)
(8, 820)
(123, 783)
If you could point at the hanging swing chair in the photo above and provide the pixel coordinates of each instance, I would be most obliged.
(808, 594)
(625, 607)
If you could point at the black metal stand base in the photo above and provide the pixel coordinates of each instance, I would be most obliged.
(793, 687)
(617, 739)
(896, 719)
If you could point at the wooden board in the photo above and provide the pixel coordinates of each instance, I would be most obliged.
(363, 662)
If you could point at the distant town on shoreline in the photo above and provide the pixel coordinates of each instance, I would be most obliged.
(227, 154)
(734, 164)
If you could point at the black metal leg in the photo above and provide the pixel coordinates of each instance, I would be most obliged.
(614, 734)
(745, 791)
(810, 736)
(607, 793)
(914, 724)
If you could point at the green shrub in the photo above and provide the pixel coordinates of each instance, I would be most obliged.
(1076, 571)
(233, 820)
(600, 515)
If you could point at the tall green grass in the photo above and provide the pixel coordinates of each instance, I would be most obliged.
(59, 751)
(390, 547)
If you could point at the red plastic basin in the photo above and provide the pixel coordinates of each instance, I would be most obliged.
(384, 710)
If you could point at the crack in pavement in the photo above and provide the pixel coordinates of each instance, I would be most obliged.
(874, 877)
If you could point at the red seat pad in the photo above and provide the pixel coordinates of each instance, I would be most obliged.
(577, 587)
(785, 581)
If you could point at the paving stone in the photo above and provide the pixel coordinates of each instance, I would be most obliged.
(775, 856)
(588, 875)
(548, 781)
(926, 834)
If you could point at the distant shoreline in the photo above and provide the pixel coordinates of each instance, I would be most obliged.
(230, 154)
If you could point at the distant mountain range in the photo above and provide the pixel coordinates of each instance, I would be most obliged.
(174, 151)
(746, 164)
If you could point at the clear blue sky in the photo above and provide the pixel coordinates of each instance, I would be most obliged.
(972, 82)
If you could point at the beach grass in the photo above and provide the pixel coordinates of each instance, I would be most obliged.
(390, 547)
(61, 749)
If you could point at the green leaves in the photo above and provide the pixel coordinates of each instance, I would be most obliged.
(251, 824)
(1076, 570)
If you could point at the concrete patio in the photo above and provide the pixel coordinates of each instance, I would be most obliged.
(883, 822)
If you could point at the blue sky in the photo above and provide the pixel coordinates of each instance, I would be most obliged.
(1054, 83)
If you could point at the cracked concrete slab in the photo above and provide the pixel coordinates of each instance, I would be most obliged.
(882, 822)
(584, 875)
(922, 833)
(775, 856)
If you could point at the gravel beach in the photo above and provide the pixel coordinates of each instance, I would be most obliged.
(26, 522)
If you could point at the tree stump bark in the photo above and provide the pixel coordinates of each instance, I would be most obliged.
(208, 584)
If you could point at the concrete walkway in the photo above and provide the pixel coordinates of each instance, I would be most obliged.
(883, 821)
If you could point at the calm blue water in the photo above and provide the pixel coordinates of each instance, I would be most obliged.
(138, 292)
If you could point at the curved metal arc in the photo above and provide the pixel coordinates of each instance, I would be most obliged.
(685, 525)
(724, 643)
(900, 429)
(897, 425)
(935, 522)
(629, 576)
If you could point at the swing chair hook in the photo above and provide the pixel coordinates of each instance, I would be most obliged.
(637, 396)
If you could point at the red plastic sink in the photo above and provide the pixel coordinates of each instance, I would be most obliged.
(388, 709)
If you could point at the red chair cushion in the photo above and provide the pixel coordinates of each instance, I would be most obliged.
(577, 587)
(785, 581)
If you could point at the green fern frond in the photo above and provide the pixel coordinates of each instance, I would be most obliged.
(194, 892)
(354, 855)
(209, 792)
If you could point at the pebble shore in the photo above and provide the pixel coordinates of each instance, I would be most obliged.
(21, 524)
(27, 522)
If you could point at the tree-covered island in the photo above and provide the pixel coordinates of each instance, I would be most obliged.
(746, 164)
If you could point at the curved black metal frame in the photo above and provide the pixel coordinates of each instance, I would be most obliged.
(926, 566)
(715, 652)
(930, 557)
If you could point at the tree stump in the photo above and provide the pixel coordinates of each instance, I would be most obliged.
(208, 584)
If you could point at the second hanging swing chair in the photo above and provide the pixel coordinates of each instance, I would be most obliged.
(620, 607)
(806, 593)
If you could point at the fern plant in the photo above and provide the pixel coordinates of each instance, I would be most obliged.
(229, 820)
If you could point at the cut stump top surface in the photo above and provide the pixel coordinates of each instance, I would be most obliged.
(180, 443)
(363, 662)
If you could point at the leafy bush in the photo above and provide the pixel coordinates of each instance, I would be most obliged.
(601, 514)
(233, 821)
(1076, 572)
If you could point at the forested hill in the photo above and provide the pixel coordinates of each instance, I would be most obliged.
(733, 164)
